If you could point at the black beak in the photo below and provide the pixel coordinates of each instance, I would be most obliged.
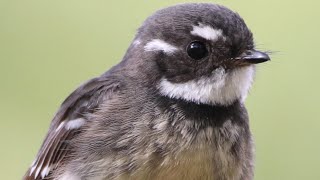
(253, 57)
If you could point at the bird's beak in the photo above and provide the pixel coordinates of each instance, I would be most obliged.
(253, 57)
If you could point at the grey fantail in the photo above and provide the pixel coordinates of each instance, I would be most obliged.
(172, 109)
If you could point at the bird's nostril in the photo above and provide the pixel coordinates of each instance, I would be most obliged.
(249, 52)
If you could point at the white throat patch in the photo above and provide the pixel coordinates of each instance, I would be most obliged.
(221, 88)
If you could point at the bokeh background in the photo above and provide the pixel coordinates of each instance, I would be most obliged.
(48, 47)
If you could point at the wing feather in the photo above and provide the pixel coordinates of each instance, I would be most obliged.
(84, 100)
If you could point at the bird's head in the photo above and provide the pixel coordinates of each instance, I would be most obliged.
(202, 53)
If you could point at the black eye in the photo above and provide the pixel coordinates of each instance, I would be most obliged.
(197, 50)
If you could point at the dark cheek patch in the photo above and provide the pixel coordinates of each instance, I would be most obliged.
(179, 68)
(176, 68)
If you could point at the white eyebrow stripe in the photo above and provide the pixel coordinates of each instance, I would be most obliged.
(207, 32)
(160, 45)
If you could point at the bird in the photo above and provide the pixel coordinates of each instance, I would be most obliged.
(172, 108)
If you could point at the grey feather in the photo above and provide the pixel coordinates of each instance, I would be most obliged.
(133, 131)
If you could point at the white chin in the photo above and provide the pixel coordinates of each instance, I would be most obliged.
(222, 88)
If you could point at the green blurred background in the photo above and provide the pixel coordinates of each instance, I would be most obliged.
(47, 48)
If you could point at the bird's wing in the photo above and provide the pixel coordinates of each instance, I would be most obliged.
(67, 123)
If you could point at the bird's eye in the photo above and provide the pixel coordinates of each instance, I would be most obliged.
(197, 50)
